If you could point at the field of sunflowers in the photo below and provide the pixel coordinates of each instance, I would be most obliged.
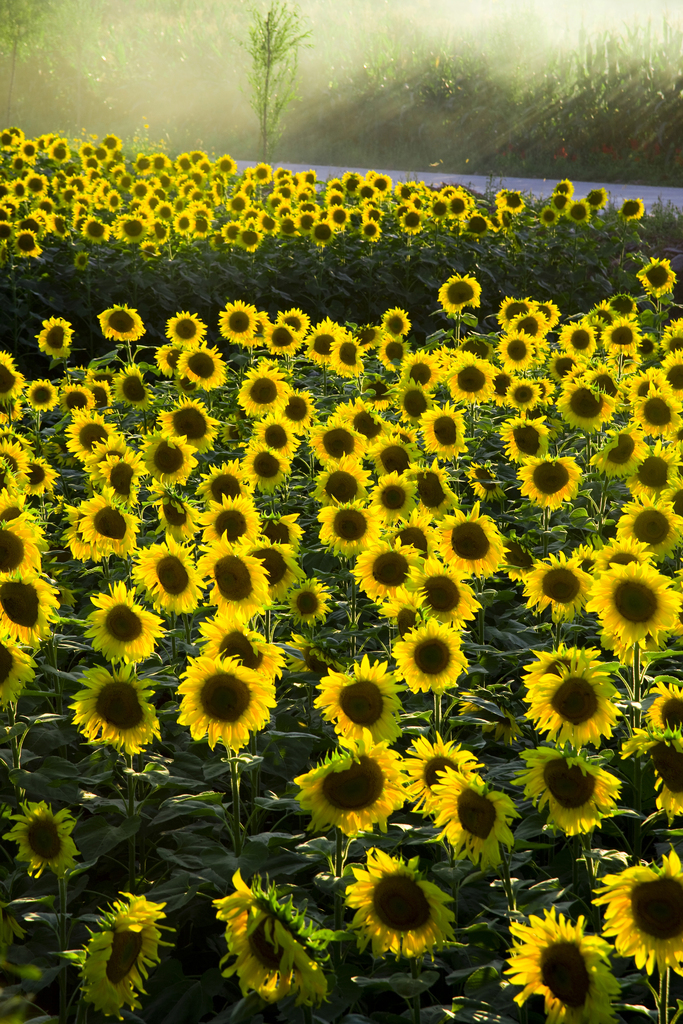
(341, 599)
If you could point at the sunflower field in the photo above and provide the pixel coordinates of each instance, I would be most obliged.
(340, 641)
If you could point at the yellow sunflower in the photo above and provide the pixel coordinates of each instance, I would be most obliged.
(238, 323)
(186, 329)
(280, 566)
(659, 470)
(120, 953)
(348, 528)
(471, 542)
(644, 913)
(578, 339)
(178, 518)
(42, 395)
(19, 552)
(121, 629)
(354, 788)
(168, 576)
(392, 455)
(235, 519)
(191, 421)
(578, 794)
(657, 278)
(107, 525)
(17, 668)
(558, 583)
(397, 909)
(202, 365)
(309, 601)
(666, 711)
(56, 337)
(583, 407)
(415, 530)
(470, 379)
(299, 411)
(634, 602)
(549, 482)
(658, 412)
(362, 704)
(224, 701)
(28, 606)
(474, 818)
(121, 323)
(168, 460)
(240, 582)
(265, 468)
(381, 569)
(86, 430)
(433, 490)
(665, 748)
(442, 592)
(574, 702)
(622, 453)
(114, 708)
(334, 440)
(226, 480)
(276, 433)
(283, 530)
(393, 497)
(554, 958)
(11, 381)
(429, 657)
(427, 765)
(653, 522)
(264, 390)
(524, 438)
(44, 838)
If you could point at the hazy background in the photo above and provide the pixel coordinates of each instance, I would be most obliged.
(506, 87)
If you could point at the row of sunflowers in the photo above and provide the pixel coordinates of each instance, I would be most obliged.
(339, 674)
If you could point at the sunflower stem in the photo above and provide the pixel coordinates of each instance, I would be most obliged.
(131, 814)
(188, 627)
(236, 825)
(62, 947)
(546, 530)
(16, 753)
(663, 1000)
(437, 714)
(338, 895)
(174, 652)
(415, 972)
(507, 881)
(576, 855)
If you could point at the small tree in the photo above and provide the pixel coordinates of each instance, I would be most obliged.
(274, 42)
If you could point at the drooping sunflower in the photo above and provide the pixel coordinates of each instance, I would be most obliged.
(44, 838)
(471, 542)
(356, 787)
(558, 583)
(240, 582)
(56, 337)
(17, 668)
(653, 522)
(120, 954)
(644, 913)
(274, 945)
(578, 794)
(121, 323)
(107, 525)
(429, 657)
(657, 278)
(114, 708)
(348, 528)
(397, 909)
(554, 958)
(517, 560)
(224, 701)
(363, 703)
(169, 460)
(474, 818)
(381, 569)
(574, 702)
(427, 765)
(442, 592)
(121, 629)
(524, 438)
(168, 576)
(28, 605)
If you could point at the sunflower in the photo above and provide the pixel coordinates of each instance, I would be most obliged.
(429, 657)
(348, 528)
(517, 560)
(384, 567)
(665, 747)
(236, 519)
(653, 523)
(397, 909)
(554, 958)
(280, 565)
(443, 594)
(578, 793)
(28, 606)
(415, 530)
(558, 583)
(121, 629)
(524, 438)
(169, 461)
(363, 703)
(342, 482)
(583, 407)
(666, 711)
(309, 601)
(427, 766)
(283, 530)
(264, 390)
(471, 542)
(470, 379)
(672, 338)
(393, 497)
(346, 356)
(658, 412)
(574, 702)
(121, 952)
(114, 708)
(177, 517)
(578, 339)
(121, 323)
(202, 365)
(107, 525)
(11, 381)
(645, 913)
(549, 482)
(275, 433)
(658, 471)
(238, 323)
(474, 819)
(265, 467)
(620, 552)
(42, 395)
(224, 700)
(299, 411)
(19, 552)
(657, 278)
(17, 668)
(435, 495)
(622, 452)
(356, 787)
(392, 455)
(227, 480)
(240, 582)
(55, 338)
(321, 339)
(44, 838)
(225, 637)
(274, 946)
(86, 430)
(168, 576)
(334, 440)
(190, 421)
(396, 322)
(516, 352)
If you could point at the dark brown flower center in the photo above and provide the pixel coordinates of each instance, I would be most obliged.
(121, 477)
(415, 403)
(476, 814)
(657, 412)
(233, 578)
(109, 522)
(434, 767)
(657, 276)
(350, 525)
(262, 948)
(307, 602)
(125, 949)
(172, 575)
(322, 344)
(237, 645)
(121, 322)
(575, 700)
(580, 339)
(11, 551)
(429, 488)
(527, 439)
(366, 425)
(432, 656)
(91, 434)
(445, 430)
(390, 569)
(266, 465)
(190, 422)
(225, 486)
(405, 620)
(563, 971)
(225, 697)
(668, 763)
(471, 379)
(413, 535)
(348, 353)
(400, 903)
(569, 786)
(393, 497)
(123, 624)
(167, 458)
(263, 391)
(394, 351)
(623, 450)
(441, 593)
(201, 364)
(672, 712)
(274, 563)
(469, 541)
(459, 292)
(175, 513)
(561, 585)
(118, 704)
(6, 663)
(550, 477)
(20, 603)
(635, 602)
(230, 522)
(394, 459)
(362, 702)
(658, 908)
(517, 556)
(133, 389)
(341, 485)
(43, 838)
(275, 436)
(584, 404)
(239, 322)
(355, 788)
(338, 442)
